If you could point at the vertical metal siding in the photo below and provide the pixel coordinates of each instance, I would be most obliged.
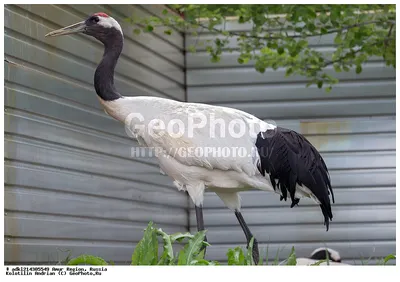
(70, 181)
(353, 127)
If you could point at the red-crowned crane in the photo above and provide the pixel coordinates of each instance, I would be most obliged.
(261, 156)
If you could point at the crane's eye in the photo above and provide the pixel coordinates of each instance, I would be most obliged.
(95, 19)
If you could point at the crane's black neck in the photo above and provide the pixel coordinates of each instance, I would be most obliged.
(104, 75)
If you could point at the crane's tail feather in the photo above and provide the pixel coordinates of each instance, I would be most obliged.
(292, 161)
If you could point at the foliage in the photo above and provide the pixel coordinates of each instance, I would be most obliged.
(192, 253)
(237, 256)
(87, 260)
(292, 258)
(282, 36)
(146, 251)
(385, 260)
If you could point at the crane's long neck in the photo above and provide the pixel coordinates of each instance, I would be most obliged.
(104, 75)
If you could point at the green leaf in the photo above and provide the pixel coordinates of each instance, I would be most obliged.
(168, 254)
(327, 257)
(249, 255)
(204, 262)
(274, 45)
(192, 49)
(323, 18)
(281, 50)
(292, 258)
(311, 27)
(302, 43)
(200, 262)
(266, 50)
(320, 83)
(266, 255)
(298, 29)
(236, 256)
(338, 38)
(328, 89)
(136, 31)
(276, 260)
(201, 254)
(358, 69)
(165, 11)
(261, 260)
(209, 49)
(311, 13)
(168, 31)
(337, 67)
(181, 236)
(149, 28)
(191, 249)
(129, 20)
(215, 58)
(335, 14)
(289, 71)
(260, 69)
(146, 250)
(318, 262)
(87, 260)
(389, 257)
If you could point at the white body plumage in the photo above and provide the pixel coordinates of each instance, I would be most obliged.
(194, 173)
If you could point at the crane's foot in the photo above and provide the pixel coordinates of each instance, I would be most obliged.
(255, 251)
(248, 235)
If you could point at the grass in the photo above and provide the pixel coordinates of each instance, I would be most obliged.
(146, 252)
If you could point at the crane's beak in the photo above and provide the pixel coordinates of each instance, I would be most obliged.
(74, 28)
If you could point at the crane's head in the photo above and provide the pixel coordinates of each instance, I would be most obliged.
(98, 25)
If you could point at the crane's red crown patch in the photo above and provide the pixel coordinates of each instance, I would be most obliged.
(104, 15)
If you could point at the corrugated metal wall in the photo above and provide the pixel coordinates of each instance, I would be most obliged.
(353, 127)
(70, 183)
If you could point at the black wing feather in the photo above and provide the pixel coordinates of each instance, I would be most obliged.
(291, 159)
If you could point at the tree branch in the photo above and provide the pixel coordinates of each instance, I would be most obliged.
(327, 63)
(306, 67)
(296, 36)
(389, 33)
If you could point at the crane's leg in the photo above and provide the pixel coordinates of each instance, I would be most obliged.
(248, 235)
(232, 201)
(200, 223)
(196, 193)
